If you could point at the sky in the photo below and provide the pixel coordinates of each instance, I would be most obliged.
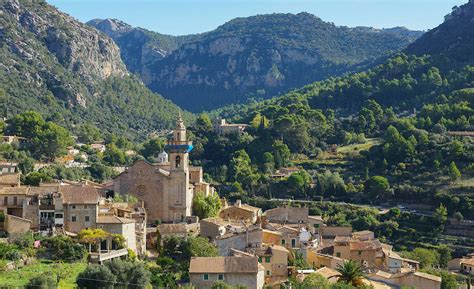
(180, 17)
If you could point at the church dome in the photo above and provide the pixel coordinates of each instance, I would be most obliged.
(162, 157)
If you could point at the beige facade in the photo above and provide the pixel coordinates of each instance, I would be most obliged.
(287, 215)
(233, 270)
(122, 226)
(212, 228)
(330, 232)
(319, 260)
(241, 212)
(413, 279)
(16, 226)
(274, 259)
(239, 241)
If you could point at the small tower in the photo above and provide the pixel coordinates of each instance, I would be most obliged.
(162, 157)
(179, 147)
(180, 194)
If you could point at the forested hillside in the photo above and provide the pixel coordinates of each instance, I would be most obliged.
(389, 135)
(71, 73)
(251, 57)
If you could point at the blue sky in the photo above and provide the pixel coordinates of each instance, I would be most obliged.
(178, 17)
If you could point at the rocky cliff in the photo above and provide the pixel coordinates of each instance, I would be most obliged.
(54, 64)
(252, 57)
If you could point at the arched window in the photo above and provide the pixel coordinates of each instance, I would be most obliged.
(178, 161)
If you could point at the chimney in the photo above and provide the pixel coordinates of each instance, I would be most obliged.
(238, 203)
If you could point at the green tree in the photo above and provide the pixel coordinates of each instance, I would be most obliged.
(377, 186)
(96, 276)
(440, 217)
(299, 181)
(220, 285)
(426, 257)
(151, 148)
(454, 172)
(206, 206)
(113, 155)
(351, 273)
(241, 169)
(87, 133)
(281, 153)
(126, 272)
(203, 123)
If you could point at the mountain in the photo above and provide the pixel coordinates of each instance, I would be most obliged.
(69, 71)
(453, 39)
(139, 47)
(251, 57)
(437, 65)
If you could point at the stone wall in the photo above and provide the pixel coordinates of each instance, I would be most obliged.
(16, 226)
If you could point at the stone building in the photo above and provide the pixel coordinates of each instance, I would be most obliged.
(241, 269)
(167, 188)
(241, 212)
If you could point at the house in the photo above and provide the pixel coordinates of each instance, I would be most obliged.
(369, 252)
(212, 228)
(10, 139)
(222, 127)
(464, 264)
(411, 279)
(330, 232)
(98, 147)
(9, 180)
(250, 237)
(167, 230)
(241, 212)
(233, 270)
(8, 168)
(394, 263)
(287, 215)
(274, 259)
(320, 260)
(119, 225)
(80, 206)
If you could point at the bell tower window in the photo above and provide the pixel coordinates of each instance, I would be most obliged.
(178, 162)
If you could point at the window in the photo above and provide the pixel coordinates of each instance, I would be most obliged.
(73, 218)
(15, 201)
(267, 259)
(259, 259)
(293, 243)
(205, 277)
(268, 272)
(85, 206)
(316, 226)
(5, 201)
(178, 161)
(87, 218)
(338, 254)
(283, 241)
(360, 253)
(220, 277)
(73, 206)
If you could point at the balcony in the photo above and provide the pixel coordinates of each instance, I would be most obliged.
(99, 257)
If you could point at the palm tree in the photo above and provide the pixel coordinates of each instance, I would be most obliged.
(351, 273)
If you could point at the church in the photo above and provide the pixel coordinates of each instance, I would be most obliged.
(167, 187)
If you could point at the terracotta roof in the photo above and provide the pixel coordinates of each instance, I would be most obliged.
(79, 194)
(217, 221)
(358, 233)
(328, 273)
(342, 239)
(427, 276)
(14, 191)
(11, 179)
(365, 245)
(468, 261)
(172, 228)
(229, 264)
(113, 220)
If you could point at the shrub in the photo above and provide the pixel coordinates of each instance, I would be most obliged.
(96, 276)
(13, 255)
(43, 282)
(64, 248)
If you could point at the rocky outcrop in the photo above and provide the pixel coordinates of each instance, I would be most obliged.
(44, 37)
(257, 56)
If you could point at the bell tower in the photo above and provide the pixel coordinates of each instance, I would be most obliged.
(179, 147)
(180, 194)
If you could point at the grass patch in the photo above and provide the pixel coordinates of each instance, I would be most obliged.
(20, 277)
